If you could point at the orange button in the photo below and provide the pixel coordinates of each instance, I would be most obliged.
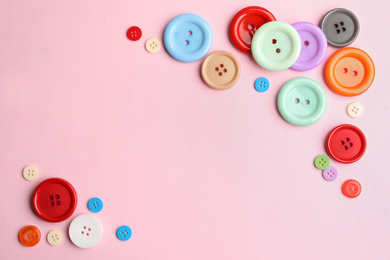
(349, 71)
(29, 236)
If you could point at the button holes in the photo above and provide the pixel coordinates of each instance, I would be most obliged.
(87, 234)
(342, 142)
(221, 65)
(354, 73)
(58, 203)
(336, 25)
(274, 41)
(186, 42)
(124, 230)
(52, 204)
(189, 33)
(350, 144)
(278, 50)
(345, 147)
(216, 68)
(219, 73)
(342, 23)
(306, 43)
(82, 232)
(250, 27)
(85, 227)
(347, 139)
(307, 102)
(124, 235)
(51, 197)
(296, 100)
(89, 229)
(338, 31)
(57, 196)
(343, 29)
(345, 70)
(225, 70)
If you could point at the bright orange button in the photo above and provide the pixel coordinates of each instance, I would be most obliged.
(29, 236)
(349, 71)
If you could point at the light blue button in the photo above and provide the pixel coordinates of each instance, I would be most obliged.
(262, 84)
(188, 37)
(124, 233)
(95, 205)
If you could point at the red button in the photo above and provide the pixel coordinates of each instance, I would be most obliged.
(346, 143)
(134, 33)
(244, 25)
(54, 200)
(351, 188)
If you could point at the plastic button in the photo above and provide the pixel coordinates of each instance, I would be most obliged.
(354, 110)
(346, 143)
(54, 200)
(85, 231)
(349, 72)
(134, 33)
(124, 233)
(262, 84)
(351, 188)
(302, 101)
(340, 26)
(330, 173)
(276, 46)
(220, 70)
(314, 46)
(153, 45)
(188, 37)
(30, 172)
(244, 25)
(322, 162)
(54, 237)
(95, 205)
(29, 236)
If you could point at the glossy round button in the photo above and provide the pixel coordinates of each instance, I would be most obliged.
(276, 46)
(54, 237)
(244, 25)
(85, 231)
(262, 84)
(29, 236)
(340, 26)
(220, 70)
(314, 46)
(351, 188)
(330, 173)
(54, 200)
(188, 37)
(349, 71)
(354, 110)
(346, 143)
(153, 45)
(322, 162)
(302, 101)
(30, 172)
(134, 33)
(95, 205)
(124, 233)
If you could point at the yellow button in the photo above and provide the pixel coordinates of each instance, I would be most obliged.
(153, 45)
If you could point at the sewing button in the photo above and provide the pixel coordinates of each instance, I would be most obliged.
(354, 110)
(220, 70)
(153, 45)
(188, 37)
(314, 46)
(30, 172)
(54, 237)
(244, 25)
(302, 101)
(262, 84)
(346, 143)
(351, 188)
(29, 236)
(340, 26)
(322, 162)
(85, 231)
(349, 71)
(276, 46)
(134, 33)
(330, 173)
(124, 233)
(95, 205)
(54, 200)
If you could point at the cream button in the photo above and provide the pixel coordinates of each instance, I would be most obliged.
(153, 45)
(54, 237)
(30, 172)
(354, 110)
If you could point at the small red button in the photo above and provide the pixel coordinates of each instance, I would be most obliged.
(134, 33)
(29, 236)
(351, 188)
(346, 143)
(54, 200)
(244, 25)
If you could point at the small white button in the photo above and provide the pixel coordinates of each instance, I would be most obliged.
(85, 231)
(354, 110)
(54, 237)
(30, 172)
(153, 45)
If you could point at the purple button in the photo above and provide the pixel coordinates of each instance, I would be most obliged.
(314, 46)
(330, 173)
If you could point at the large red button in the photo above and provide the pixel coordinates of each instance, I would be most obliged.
(244, 25)
(54, 200)
(346, 143)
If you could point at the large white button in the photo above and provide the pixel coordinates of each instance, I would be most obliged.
(85, 231)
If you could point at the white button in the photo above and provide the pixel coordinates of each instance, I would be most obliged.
(354, 110)
(153, 45)
(85, 231)
(54, 237)
(30, 172)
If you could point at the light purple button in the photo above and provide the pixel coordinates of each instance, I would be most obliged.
(330, 173)
(314, 46)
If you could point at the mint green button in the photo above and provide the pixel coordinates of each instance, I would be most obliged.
(322, 162)
(302, 101)
(276, 46)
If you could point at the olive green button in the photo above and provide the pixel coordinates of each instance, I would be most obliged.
(322, 162)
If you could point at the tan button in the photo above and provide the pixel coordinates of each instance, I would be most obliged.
(30, 172)
(54, 237)
(220, 70)
(153, 45)
(354, 110)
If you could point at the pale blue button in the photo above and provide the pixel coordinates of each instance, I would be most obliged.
(188, 37)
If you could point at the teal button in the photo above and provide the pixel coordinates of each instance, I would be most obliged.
(276, 46)
(302, 101)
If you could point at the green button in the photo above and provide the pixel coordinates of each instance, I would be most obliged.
(302, 101)
(276, 46)
(322, 162)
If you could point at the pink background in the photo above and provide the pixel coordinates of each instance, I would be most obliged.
(196, 173)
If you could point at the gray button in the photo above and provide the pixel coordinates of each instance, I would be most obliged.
(341, 27)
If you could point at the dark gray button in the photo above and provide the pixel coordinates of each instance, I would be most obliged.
(341, 27)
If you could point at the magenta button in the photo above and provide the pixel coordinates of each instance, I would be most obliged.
(330, 173)
(314, 46)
